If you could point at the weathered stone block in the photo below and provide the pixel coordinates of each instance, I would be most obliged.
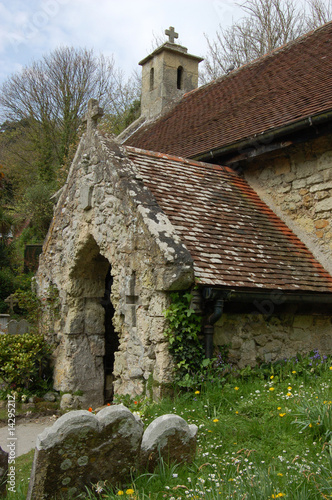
(298, 184)
(321, 187)
(324, 205)
(81, 448)
(86, 197)
(169, 437)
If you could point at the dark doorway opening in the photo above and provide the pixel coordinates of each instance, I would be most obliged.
(111, 338)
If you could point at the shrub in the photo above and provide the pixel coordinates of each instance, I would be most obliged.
(7, 286)
(24, 363)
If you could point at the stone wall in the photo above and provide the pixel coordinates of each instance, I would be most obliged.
(104, 218)
(254, 337)
(297, 183)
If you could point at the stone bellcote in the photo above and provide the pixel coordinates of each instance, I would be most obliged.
(167, 74)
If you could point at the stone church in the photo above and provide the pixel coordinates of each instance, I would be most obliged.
(223, 189)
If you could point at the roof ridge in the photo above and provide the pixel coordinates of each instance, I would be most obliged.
(180, 159)
(259, 60)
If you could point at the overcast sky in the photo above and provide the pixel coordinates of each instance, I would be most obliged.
(125, 28)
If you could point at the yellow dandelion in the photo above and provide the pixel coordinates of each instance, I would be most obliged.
(272, 377)
(289, 388)
(120, 492)
(280, 474)
(130, 491)
(197, 392)
(215, 420)
(310, 425)
(282, 414)
(330, 367)
(237, 412)
(294, 371)
(236, 388)
(279, 408)
(271, 389)
(288, 394)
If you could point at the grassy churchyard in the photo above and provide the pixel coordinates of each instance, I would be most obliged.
(263, 434)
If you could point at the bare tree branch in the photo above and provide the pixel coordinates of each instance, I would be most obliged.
(320, 12)
(267, 24)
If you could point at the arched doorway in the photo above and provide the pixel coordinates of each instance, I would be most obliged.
(111, 337)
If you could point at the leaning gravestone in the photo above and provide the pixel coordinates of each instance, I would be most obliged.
(81, 449)
(3, 471)
(168, 437)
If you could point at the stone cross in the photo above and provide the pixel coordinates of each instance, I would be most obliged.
(92, 115)
(171, 34)
(11, 301)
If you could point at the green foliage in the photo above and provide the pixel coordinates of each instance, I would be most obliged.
(24, 363)
(32, 306)
(36, 207)
(247, 446)
(316, 416)
(29, 305)
(309, 365)
(186, 344)
(8, 284)
(117, 122)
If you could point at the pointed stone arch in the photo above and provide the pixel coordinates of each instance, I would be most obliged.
(83, 345)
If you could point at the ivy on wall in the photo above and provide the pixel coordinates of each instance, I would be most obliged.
(184, 337)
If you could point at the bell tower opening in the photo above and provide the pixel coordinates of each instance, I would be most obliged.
(179, 80)
(111, 337)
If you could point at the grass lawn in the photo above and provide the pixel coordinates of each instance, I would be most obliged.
(264, 434)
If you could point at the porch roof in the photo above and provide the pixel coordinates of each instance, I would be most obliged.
(234, 238)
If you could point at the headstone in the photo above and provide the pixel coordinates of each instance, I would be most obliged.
(81, 449)
(3, 471)
(18, 327)
(23, 327)
(169, 437)
(12, 327)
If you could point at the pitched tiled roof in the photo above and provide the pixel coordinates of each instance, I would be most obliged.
(292, 83)
(234, 238)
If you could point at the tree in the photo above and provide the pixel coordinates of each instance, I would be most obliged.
(50, 97)
(43, 106)
(268, 24)
(320, 12)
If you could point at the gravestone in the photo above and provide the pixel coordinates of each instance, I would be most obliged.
(81, 449)
(3, 471)
(169, 437)
(18, 327)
